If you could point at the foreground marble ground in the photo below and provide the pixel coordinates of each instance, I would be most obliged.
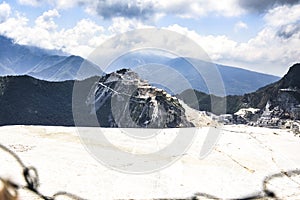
(235, 168)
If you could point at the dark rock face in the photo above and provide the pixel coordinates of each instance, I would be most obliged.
(278, 102)
(278, 111)
(122, 99)
(115, 100)
(275, 105)
(284, 93)
(284, 100)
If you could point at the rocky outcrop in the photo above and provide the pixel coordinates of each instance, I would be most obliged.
(276, 112)
(278, 104)
(284, 104)
(122, 99)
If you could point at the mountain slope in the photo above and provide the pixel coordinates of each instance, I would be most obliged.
(66, 69)
(239, 81)
(289, 85)
(205, 102)
(26, 100)
(44, 64)
(122, 99)
(49, 65)
(168, 70)
(282, 96)
(29, 101)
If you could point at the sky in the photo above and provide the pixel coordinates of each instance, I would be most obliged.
(258, 35)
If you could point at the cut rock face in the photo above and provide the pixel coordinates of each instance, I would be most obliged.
(122, 99)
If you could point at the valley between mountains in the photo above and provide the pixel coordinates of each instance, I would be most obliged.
(58, 122)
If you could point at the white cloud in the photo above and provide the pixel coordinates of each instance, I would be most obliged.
(46, 20)
(58, 4)
(82, 38)
(266, 52)
(260, 7)
(198, 8)
(283, 15)
(272, 50)
(14, 27)
(5, 11)
(64, 4)
(121, 25)
(147, 9)
(78, 40)
(226, 8)
(214, 46)
(239, 26)
(30, 2)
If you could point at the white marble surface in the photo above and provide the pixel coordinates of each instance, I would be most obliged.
(235, 168)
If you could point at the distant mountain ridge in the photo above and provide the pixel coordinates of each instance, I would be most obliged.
(43, 64)
(29, 101)
(49, 65)
(236, 81)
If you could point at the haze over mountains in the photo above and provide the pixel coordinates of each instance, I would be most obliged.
(153, 67)
(48, 65)
(26, 100)
(43, 64)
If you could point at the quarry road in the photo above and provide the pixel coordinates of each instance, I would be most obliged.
(235, 168)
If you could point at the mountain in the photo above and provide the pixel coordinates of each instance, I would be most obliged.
(287, 87)
(122, 99)
(238, 81)
(278, 102)
(179, 74)
(119, 99)
(275, 102)
(43, 64)
(29, 101)
(174, 74)
(206, 102)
